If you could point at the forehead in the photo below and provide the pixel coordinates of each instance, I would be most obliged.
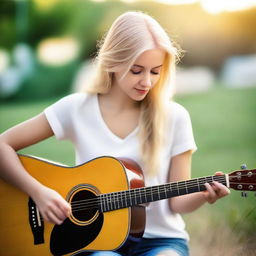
(151, 58)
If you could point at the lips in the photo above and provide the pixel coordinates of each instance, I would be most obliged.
(141, 91)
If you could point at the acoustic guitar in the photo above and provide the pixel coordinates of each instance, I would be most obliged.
(106, 196)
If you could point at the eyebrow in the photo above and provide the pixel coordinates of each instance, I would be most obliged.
(143, 67)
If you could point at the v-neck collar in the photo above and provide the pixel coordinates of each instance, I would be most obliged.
(106, 127)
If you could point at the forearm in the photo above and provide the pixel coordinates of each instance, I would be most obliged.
(13, 172)
(187, 203)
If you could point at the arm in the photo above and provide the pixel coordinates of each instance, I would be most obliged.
(180, 169)
(51, 205)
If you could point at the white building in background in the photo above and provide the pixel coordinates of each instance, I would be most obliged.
(194, 79)
(83, 76)
(239, 71)
(13, 75)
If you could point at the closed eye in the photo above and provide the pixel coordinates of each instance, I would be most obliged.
(138, 72)
(135, 72)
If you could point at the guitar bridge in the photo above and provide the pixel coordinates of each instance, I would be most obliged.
(36, 222)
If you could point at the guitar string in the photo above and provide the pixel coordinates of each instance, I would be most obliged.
(113, 197)
(189, 182)
(160, 188)
(112, 204)
(149, 190)
(114, 201)
(183, 186)
(93, 203)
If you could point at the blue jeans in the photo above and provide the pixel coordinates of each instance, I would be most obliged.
(147, 247)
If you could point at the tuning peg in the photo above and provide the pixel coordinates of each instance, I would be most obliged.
(243, 166)
(244, 194)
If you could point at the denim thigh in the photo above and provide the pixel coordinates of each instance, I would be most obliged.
(152, 247)
(147, 247)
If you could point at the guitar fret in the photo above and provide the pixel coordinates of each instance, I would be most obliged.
(145, 195)
(111, 202)
(140, 196)
(130, 197)
(104, 202)
(177, 188)
(158, 193)
(165, 191)
(198, 184)
(101, 206)
(136, 196)
(117, 199)
(108, 202)
(125, 196)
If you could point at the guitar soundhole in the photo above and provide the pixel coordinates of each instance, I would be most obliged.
(84, 205)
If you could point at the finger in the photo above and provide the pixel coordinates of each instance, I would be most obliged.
(219, 173)
(220, 189)
(51, 217)
(211, 194)
(58, 212)
(65, 208)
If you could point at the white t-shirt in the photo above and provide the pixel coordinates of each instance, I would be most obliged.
(78, 118)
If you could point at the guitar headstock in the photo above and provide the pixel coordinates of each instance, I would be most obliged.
(243, 180)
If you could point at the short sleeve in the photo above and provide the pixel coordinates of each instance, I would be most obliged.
(183, 138)
(59, 116)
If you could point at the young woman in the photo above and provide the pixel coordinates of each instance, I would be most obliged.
(126, 112)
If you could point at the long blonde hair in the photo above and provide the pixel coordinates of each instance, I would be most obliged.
(131, 34)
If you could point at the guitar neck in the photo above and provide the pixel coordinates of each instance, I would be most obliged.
(128, 198)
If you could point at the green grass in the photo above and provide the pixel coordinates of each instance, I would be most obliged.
(13, 113)
(224, 123)
(224, 127)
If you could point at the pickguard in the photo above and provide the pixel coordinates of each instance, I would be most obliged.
(69, 237)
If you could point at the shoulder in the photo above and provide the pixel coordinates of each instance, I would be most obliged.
(178, 112)
(75, 97)
(74, 100)
(70, 104)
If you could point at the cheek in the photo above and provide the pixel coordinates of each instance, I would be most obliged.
(131, 80)
(155, 79)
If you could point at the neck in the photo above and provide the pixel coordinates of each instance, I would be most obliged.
(118, 100)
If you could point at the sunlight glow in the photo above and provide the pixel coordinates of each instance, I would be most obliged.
(216, 6)
(57, 51)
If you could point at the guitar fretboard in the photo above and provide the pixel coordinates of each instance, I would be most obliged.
(132, 197)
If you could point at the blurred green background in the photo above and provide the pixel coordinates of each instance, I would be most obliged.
(45, 48)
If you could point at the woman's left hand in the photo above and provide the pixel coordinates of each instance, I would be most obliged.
(215, 191)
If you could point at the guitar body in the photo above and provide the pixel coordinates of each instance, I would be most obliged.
(23, 232)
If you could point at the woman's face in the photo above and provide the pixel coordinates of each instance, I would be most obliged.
(143, 75)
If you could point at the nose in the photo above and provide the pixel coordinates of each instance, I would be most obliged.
(146, 80)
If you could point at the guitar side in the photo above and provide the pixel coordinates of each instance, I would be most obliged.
(107, 175)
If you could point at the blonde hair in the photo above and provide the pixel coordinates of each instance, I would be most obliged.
(131, 34)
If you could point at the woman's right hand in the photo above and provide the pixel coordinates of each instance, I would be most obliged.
(52, 206)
